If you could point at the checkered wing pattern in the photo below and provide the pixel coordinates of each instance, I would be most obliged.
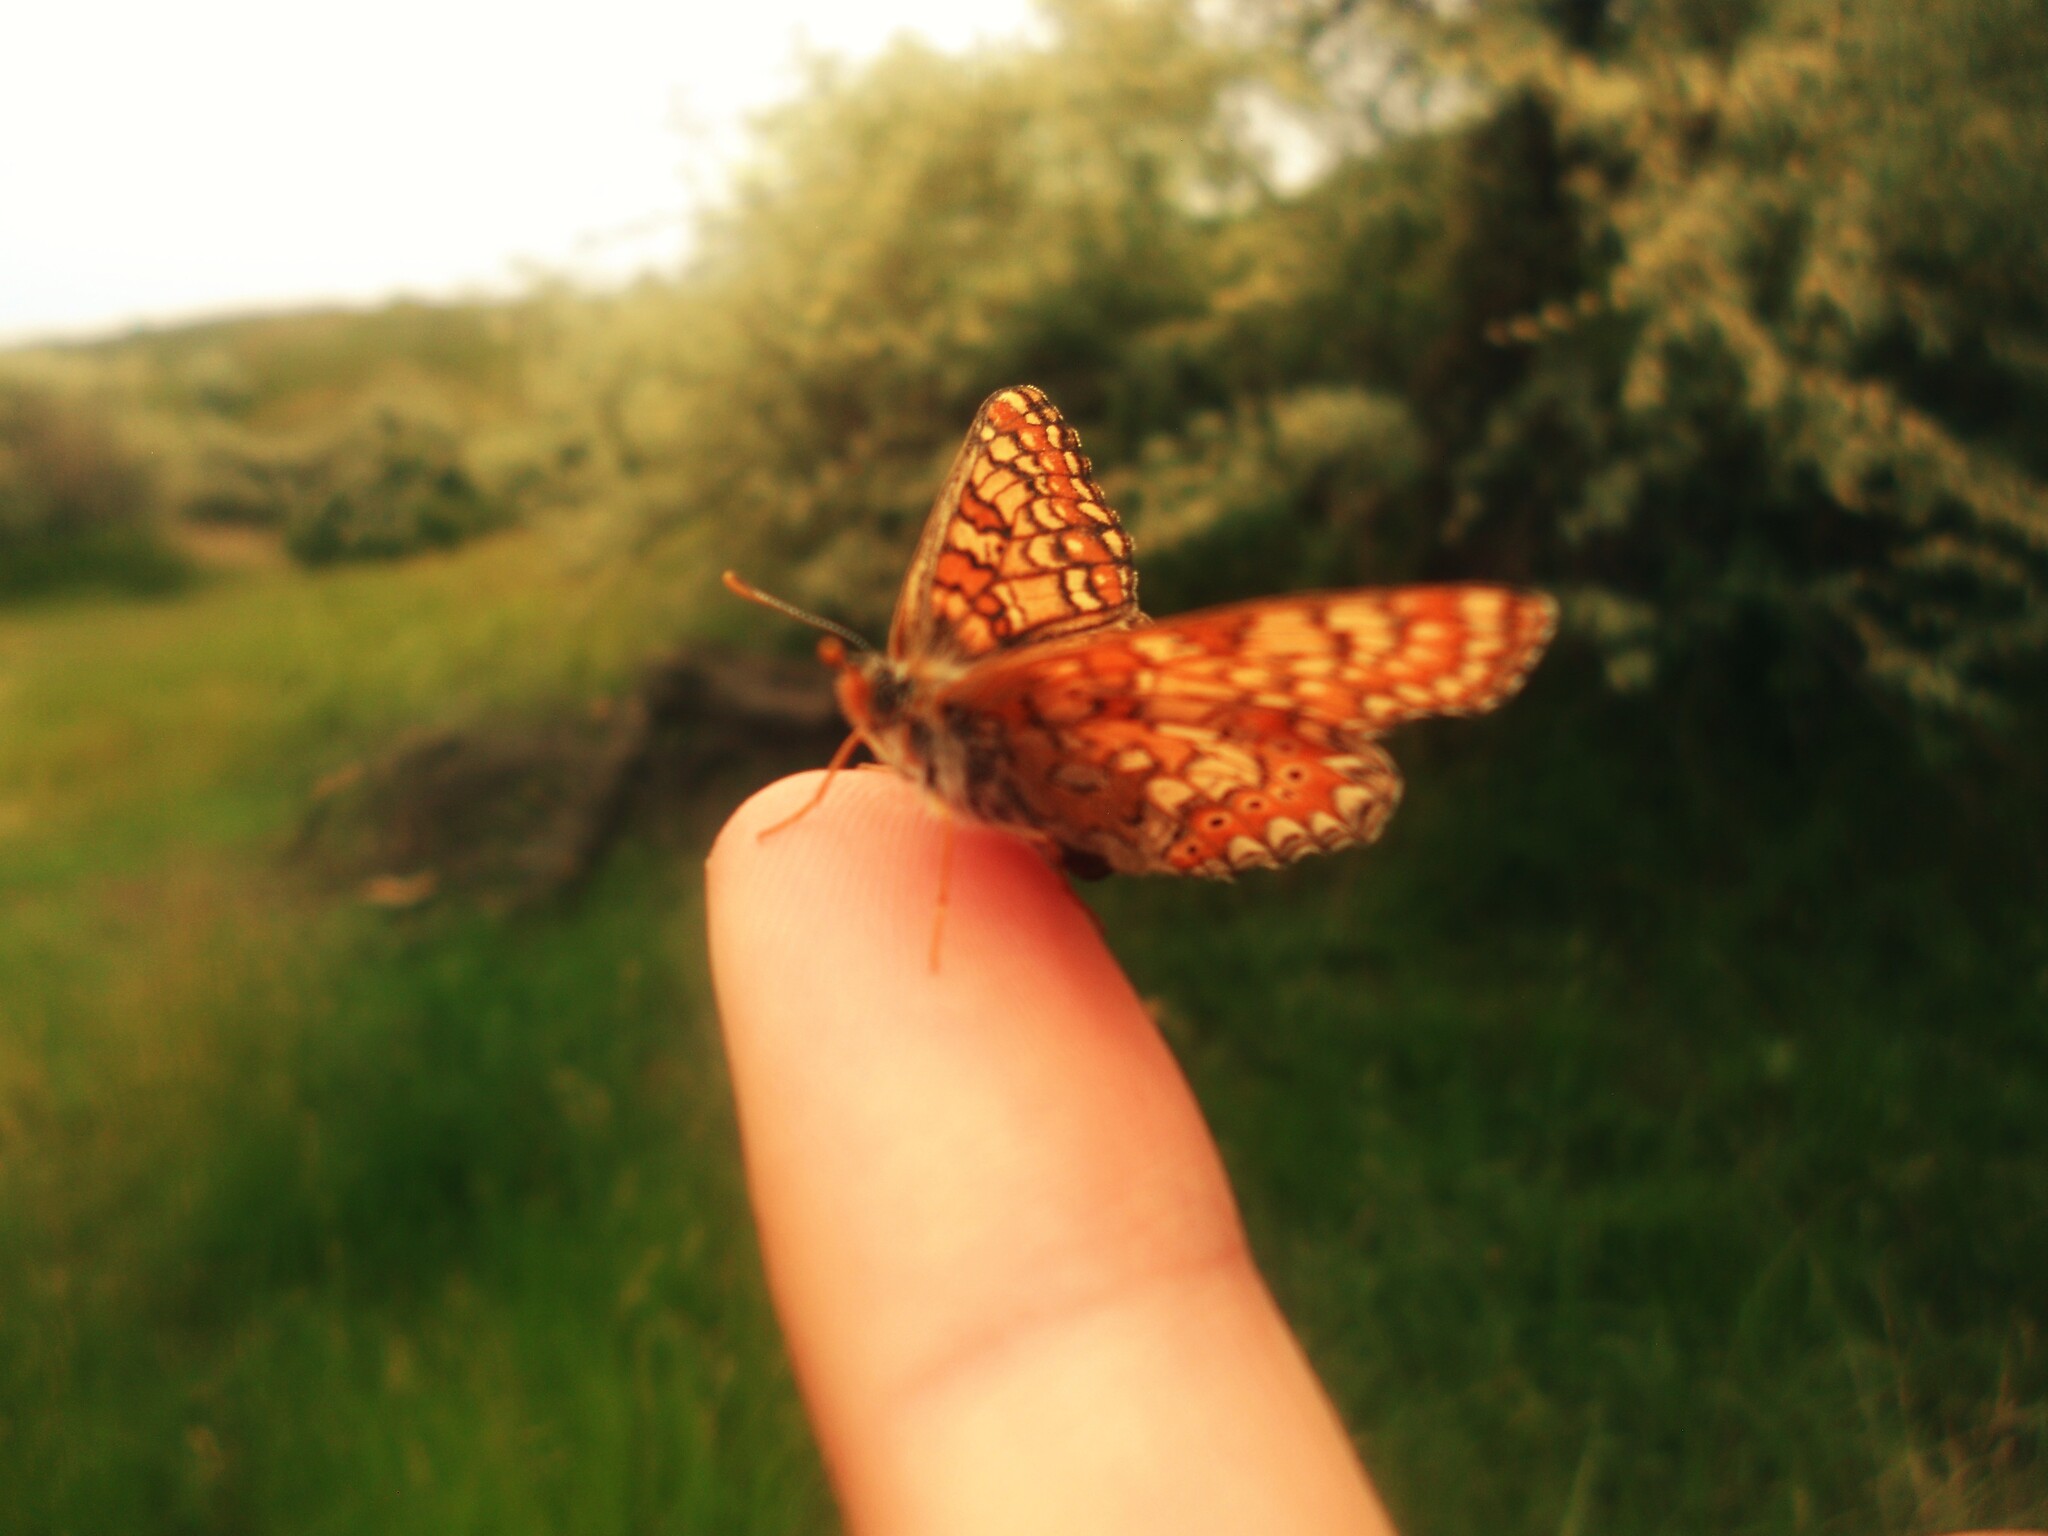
(1237, 737)
(1020, 547)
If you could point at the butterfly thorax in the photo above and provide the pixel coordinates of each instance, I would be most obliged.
(890, 706)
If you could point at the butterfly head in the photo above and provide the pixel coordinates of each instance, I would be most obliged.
(874, 690)
(874, 694)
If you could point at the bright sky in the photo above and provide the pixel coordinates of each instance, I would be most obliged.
(163, 160)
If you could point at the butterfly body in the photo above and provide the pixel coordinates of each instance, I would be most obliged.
(1023, 686)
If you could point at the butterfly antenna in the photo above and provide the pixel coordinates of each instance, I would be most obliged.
(753, 594)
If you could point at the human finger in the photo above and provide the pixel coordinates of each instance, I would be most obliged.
(1008, 1264)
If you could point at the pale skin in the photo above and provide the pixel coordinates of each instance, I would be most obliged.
(1007, 1262)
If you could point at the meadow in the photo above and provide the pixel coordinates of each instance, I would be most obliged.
(1650, 1135)
(1624, 1165)
(321, 1217)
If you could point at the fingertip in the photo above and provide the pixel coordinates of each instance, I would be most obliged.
(766, 806)
(849, 885)
(890, 1109)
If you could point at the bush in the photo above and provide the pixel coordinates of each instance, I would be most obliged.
(77, 507)
(1746, 337)
(391, 480)
(391, 486)
(908, 239)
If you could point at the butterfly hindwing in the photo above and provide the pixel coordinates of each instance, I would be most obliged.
(1020, 547)
(1237, 736)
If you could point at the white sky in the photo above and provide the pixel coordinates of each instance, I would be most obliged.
(161, 160)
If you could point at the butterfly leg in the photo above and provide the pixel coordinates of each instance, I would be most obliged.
(831, 772)
(945, 885)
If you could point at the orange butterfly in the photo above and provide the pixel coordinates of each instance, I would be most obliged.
(1023, 686)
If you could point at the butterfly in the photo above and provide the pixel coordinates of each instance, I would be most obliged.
(1022, 685)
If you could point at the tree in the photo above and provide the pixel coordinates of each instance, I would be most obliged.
(1790, 393)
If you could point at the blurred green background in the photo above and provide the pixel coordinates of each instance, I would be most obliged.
(1651, 1135)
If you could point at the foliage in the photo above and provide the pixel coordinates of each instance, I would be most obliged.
(282, 371)
(386, 480)
(386, 487)
(76, 505)
(1723, 320)
(351, 436)
(1777, 384)
(907, 239)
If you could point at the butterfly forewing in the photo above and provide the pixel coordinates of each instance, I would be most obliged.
(1235, 737)
(1020, 547)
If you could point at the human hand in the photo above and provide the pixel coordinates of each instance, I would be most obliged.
(1003, 1249)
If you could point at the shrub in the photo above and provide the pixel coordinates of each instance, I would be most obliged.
(77, 506)
(390, 479)
(388, 486)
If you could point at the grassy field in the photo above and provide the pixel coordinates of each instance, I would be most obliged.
(1640, 1146)
(320, 1218)
(1645, 1147)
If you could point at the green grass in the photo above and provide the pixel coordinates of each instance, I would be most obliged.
(122, 562)
(127, 729)
(1647, 1144)
(422, 1227)
(1644, 1139)
(320, 1219)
